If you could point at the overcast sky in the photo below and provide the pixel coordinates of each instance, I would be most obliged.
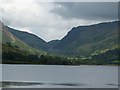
(52, 20)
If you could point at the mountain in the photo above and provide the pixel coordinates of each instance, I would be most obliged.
(80, 41)
(30, 39)
(8, 39)
(16, 51)
(86, 40)
(93, 44)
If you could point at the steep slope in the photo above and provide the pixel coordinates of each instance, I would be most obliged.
(11, 40)
(29, 38)
(85, 40)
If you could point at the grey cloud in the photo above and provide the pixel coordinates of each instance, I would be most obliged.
(87, 10)
(44, 19)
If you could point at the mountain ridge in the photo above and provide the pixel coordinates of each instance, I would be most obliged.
(78, 41)
(80, 36)
(11, 40)
(29, 38)
(96, 44)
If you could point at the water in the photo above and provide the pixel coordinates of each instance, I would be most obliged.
(40, 76)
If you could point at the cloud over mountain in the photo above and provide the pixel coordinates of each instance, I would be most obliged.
(51, 20)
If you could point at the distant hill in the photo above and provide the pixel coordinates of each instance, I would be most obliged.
(53, 43)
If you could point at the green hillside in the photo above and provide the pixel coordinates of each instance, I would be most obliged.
(86, 40)
(31, 39)
(7, 37)
(14, 48)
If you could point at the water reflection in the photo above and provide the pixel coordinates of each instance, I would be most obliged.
(12, 84)
(27, 84)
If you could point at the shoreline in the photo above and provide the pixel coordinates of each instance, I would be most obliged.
(60, 65)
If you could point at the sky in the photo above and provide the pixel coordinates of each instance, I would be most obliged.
(52, 20)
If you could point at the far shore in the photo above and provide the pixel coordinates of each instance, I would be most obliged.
(61, 65)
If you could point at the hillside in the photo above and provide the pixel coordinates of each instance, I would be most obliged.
(8, 38)
(93, 44)
(29, 38)
(16, 51)
(14, 48)
(85, 40)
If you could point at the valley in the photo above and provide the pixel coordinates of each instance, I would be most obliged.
(83, 45)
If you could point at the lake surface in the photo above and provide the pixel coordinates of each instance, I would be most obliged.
(53, 76)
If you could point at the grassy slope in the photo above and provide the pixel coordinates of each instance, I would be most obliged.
(89, 39)
(8, 37)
